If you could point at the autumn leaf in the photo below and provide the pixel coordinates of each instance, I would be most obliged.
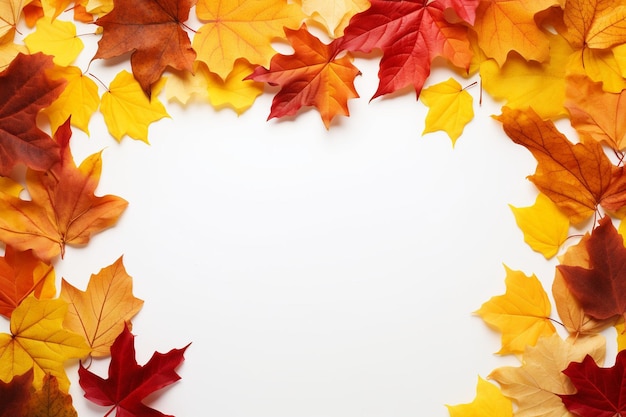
(152, 30)
(10, 12)
(235, 91)
(411, 35)
(312, 76)
(127, 110)
(599, 391)
(593, 112)
(63, 209)
(25, 91)
(489, 401)
(450, 108)
(100, 312)
(38, 341)
(235, 29)
(21, 275)
(597, 24)
(577, 177)
(600, 289)
(534, 386)
(522, 314)
(333, 15)
(184, 86)
(79, 99)
(50, 401)
(14, 395)
(57, 38)
(129, 383)
(8, 52)
(544, 226)
(504, 26)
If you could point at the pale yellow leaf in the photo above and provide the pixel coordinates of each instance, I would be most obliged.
(334, 15)
(184, 86)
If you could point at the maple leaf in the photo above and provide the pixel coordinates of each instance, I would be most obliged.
(600, 289)
(23, 274)
(63, 209)
(14, 395)
(38, 341)
(126, 109)
(522, 314)
(411, 35)
(10, 12)
(593, 111)
(50, 401)
(503, 26)
(577, 177)
(334, 15)
(535, 385)
(56, 38)
(450, 108)
(312, 76)
(235, 91)
(597, 24)
(100, 312)
(235, 29)
(129, 383)
(152, 30)
(544, 226)
(599, 391)
(26, 90)
(489, 401)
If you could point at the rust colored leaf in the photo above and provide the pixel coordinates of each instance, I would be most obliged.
(50, 401)
(14, 395)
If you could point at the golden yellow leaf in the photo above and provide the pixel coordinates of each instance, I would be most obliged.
(56, 38)
(450, 108)
(241, 29)
(489, 402)
(184, 86)
(39, 341)
(127, 110)
(535, 384)
(99, 7)
(10, 12)
(79, 99)
(521, 314)
(8, 52)
(333, 15)
(600, 66)
(234, 92)
(101, 312)
(523, 84)
(544, 226)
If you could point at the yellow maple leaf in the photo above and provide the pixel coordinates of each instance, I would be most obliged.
(450, 108)
(241, 29)
(234, 91)
(39, 341)
(535, 384)
(544, 226)
(333, 15)
(531, 84)
(79, 99)
(10, 12)
(489, 402)
(184, 86)
(521, 314)
(127, 110)
(101, 312)
(56, 38)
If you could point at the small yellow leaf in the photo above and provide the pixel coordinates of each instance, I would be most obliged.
(333, 15)
(489, 402)
(545, 227)
(56, 38)
(79, 99)
(185, 86)
(234, 92)
(450, 108)
(127, 110)
(99, 7)
(521, 314)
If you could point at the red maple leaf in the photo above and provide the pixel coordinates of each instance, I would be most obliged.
(24, 90)
(411, 35)
(601, 290)
(153, 31)
(600, 392)
(129, 383)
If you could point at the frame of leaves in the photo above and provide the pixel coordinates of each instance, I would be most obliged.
(570, 57)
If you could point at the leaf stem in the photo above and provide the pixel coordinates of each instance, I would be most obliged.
(100, 81)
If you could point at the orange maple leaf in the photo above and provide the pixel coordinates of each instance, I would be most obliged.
(63, 208)
(312, 76)
(577, 177)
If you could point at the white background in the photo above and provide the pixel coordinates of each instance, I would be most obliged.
(316, 273)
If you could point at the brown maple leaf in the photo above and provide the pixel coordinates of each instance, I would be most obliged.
(153, 31)
(24, 91)
(63, 208)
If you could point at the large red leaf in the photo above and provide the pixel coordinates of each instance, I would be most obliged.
(129, 383)
(411, 34)
(600, 392)
(24, 91)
